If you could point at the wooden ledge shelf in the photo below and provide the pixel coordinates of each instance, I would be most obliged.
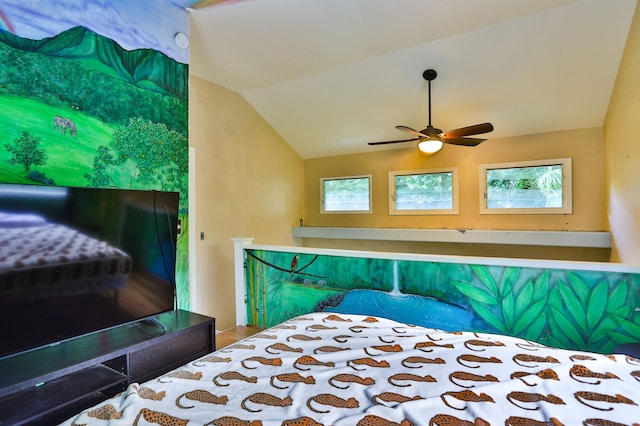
(469, 236)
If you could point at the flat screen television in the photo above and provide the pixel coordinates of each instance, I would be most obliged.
(78, 260)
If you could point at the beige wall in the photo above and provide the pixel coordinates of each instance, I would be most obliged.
(584, 146)
(248, 184)
(622, 153)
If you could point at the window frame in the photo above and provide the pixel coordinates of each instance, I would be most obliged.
(455, 193)
(322, 195)
(567, 187)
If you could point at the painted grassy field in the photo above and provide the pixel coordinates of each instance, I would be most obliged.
(69, 158)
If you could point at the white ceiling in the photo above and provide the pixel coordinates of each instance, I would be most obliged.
(332, 75)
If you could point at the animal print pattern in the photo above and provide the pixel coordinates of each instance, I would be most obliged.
(201, 396)
(328, 369)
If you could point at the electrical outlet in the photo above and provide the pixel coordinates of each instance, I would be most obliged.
(202, 235)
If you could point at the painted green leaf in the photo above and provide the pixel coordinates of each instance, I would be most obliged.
(621, 338)
(629, 327)
(489, 316)
(607, 347)
(509, 278)
(580, 288)
(524, 299)
(526, 318)
(602, 330)
(557, 334)
(617, 297)
(622, 311)
(574, 306)
(568, 328)
(508, 309)
(555, 299)
(483, 274)
(475, 293)
(535, 329)
(558, 343)
(597, 304)
(541, 287)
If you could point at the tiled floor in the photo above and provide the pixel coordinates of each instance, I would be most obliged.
(232, 335)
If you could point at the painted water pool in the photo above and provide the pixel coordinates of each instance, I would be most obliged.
(411, 309)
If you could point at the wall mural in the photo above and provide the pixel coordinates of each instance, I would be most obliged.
(96, 94)
(576, 309)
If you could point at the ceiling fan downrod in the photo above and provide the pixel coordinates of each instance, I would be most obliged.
(429, 75)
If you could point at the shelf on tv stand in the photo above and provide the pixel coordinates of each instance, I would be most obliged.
(84, 386)
(54, 382)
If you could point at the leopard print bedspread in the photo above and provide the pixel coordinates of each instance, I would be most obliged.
(325, 369)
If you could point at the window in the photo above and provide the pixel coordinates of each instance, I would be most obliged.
(345, 194)
(530, 187)
(433, 191)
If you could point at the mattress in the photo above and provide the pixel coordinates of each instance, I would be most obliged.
(41, 259)
(344, 369)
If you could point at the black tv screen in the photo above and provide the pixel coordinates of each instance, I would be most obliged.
(78, 260)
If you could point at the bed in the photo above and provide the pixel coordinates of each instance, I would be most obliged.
(344, 369)
(40, 259)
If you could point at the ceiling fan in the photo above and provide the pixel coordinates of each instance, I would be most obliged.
(431, 139)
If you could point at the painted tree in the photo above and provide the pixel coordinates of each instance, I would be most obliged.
(152, 155)
(101, 162)
(25, 151)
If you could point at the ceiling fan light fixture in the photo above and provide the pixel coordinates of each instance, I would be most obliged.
(430, 146)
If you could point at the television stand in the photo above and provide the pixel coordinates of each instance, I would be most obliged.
(49, 384)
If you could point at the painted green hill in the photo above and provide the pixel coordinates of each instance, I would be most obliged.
(145, 68)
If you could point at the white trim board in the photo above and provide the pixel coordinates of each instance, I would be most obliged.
(193, 287)
(577, 265)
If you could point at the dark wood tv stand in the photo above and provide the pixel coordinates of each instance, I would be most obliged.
(52, 383)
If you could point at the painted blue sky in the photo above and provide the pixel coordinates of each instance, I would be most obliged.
(149, 24)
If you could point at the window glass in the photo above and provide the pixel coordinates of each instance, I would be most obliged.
(527, 187)
(423, 191)
(347, 194)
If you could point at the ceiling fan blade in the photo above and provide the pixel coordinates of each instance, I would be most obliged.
(412, 131)
(389, 142)
(467, 131)
(463, 141)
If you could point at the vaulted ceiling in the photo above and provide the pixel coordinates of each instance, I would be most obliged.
(332, 75)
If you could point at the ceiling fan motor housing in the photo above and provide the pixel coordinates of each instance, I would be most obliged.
(431, 132)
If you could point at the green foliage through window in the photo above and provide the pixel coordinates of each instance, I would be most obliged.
(423, 192)
(430, 191)
(543, 185)
(346, 194)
